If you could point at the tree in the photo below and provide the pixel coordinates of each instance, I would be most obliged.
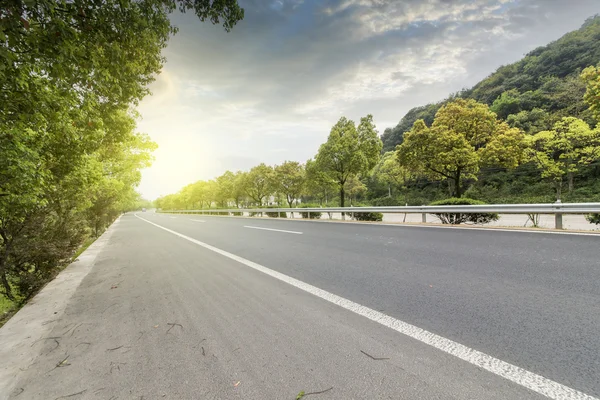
(70, 72)
(354, 187)
(318, 183)
(225, 188)
(591, 76)
(239, 187)
(390, 172)
(258, 183)
(507, 103)
(289, 180)
(349, 151)
(563, 150)
(464, 136)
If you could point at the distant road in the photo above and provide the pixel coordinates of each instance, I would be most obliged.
(198, 307)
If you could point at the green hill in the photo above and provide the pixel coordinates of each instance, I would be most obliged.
(532, 93)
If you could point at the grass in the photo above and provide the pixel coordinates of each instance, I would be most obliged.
(8, 308)
(83, 247)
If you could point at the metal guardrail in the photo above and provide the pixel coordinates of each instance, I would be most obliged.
(558, 209)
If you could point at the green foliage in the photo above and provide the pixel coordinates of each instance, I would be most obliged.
(313, 214)
(457, 218)
(258, 183)
(70, 158)
(384, 202)
(594, 218)
(464, 136)
(349, 151)
(368, 216)
(591, 76)
(563, 150)
(276, 214)
(290, 180)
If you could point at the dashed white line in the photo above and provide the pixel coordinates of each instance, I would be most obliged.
(270, 229)
(197, 220)
(518, 375)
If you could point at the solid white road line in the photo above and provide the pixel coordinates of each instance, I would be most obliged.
(518, 375)
(197, 220)
(274, 230)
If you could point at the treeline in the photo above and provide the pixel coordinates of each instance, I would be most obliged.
(70, 157)
(465, 137)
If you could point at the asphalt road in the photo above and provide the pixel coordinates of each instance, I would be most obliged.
(161, 317)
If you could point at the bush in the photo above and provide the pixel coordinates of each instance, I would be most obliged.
(275, 214)
(236, 214)
(385, 202)
(593, 218)
(368, 216)
(458, 218)
(313, 214)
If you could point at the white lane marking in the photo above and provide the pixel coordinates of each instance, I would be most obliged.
(518, 375)
(198, 220)
(270, 229)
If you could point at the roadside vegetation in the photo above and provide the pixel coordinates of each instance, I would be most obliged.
(526, 134)
(71, 74)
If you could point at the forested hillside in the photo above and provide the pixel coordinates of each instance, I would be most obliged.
(531, 94)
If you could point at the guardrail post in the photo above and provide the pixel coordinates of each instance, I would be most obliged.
(558, 217)
(309, 215)
(424, 218)
(278, 214)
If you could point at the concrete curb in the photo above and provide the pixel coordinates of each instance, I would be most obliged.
(22, 335)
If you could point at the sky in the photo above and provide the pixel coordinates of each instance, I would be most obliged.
(271, 89)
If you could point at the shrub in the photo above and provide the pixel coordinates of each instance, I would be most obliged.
(385, 201)
(459, 218)
(313, 214)
(275, 214)
(593, 218)
(368, 216)
(236, 213)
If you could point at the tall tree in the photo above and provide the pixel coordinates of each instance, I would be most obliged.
(258, 183)
(349, 151)
(464, 136)
(563, 150)
(289, 180)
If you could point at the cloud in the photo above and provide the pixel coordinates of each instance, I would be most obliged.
(290, 69)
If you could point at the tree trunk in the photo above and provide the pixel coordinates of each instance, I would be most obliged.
(342, 196)
(558, 189)
(457, 188)
(570, 176)
(389, 190)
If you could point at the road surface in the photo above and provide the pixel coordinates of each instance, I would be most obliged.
(197, 307)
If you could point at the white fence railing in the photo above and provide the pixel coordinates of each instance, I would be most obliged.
(558, 209)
